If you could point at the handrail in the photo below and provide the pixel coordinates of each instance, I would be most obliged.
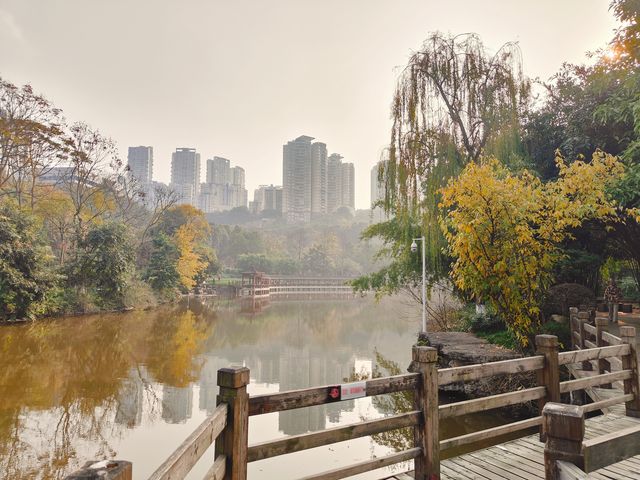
(296, 443)
(477, 371)
(490, 433)
(576, 356)
(367, 465)
(309, 397)
(611, 339)
(605, 378)
(182, 460)
(488, 403)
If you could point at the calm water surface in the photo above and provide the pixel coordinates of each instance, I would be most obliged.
(133, 386)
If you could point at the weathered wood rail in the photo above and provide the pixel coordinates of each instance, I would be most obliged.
(228, 426)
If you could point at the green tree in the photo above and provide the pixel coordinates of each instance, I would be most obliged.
(26, 268)
(105, 263)
(162, 273)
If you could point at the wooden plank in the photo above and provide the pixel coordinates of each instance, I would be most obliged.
(308, 397)
(590, 328)
(606, 403)
(577, 338)
(589, 344)
(581, 383)
(366, 466)
(568, 471)
(576, 356)
(468, 373)
(611, 448)
(490, 433)
(478, 473)
(511, 463)
(632, 362)
(182, 460)
(217, 470)
(497, 469)
(296, 443)
(611, 339)
(487, 403)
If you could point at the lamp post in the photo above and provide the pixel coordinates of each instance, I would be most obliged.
(414, 249)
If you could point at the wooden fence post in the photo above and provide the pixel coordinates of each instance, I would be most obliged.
(426, 435)
(631, 362)
(233, 441)
(564, 426)
(549, 376)
(573, 326)
(583, 317)
(103, 470)
(602, 325)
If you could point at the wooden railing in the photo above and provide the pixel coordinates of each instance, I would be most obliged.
(567, 455)
(229, 422)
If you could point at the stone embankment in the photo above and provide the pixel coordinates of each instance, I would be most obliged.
(456, 349)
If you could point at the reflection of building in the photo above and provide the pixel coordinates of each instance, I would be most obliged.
(130, 401)
(176, 403)
(303, 368)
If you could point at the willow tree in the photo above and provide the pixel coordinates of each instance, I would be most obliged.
(454, 102)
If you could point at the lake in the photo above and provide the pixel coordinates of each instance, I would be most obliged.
(133, 386)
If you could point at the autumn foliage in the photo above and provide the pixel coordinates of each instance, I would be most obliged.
(504, 230)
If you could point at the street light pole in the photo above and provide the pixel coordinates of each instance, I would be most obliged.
(414, 247)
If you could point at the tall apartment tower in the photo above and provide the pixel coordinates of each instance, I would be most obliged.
(140, 162)
(224, 188)
(218, 170)
(296, 179)
(318, 179)
(185, 174)
(267, 197)
(347, 173)
(334, 182)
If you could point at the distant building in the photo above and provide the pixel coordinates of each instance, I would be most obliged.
(318, 179)
(140, 163)
(185, 175)
(347, 173)
(225, 187)
(218, 171)
(267, 197)
(177, 403)
(296, 180)
(334, 182)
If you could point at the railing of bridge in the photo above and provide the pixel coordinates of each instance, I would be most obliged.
(230, 420)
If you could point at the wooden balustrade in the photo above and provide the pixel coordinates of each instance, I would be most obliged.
(568, 455)
(228, 426)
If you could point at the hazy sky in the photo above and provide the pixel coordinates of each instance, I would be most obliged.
(239, 78)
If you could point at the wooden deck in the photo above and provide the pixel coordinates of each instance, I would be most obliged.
(522, 459)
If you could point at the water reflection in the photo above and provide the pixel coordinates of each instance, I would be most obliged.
(135, 385)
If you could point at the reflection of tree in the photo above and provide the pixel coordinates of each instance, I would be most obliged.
(64, 382)
(183, 337)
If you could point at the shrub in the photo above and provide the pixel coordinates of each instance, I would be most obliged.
(560, 297)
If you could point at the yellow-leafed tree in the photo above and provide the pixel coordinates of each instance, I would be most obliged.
(504, 230)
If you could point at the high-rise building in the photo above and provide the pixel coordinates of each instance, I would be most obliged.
(296, 180)
(318, 179)
(347, 173)
(218, 171)
(140, 162)
(334, 182)
(224, 188)
(185, 174)
(267, 197)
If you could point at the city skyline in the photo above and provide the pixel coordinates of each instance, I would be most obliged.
(243, 96)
